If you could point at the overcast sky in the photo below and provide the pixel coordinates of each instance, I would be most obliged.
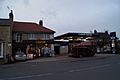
(67, 15)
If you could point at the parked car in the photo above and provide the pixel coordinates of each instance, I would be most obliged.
(85, 49)
(81, 52)
(20, 56)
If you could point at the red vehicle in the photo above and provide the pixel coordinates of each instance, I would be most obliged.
(84, 49)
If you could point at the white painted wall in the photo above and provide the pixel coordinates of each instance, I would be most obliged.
(63, 49)
(1, 50)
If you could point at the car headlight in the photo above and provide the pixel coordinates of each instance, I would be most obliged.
(24, 55)
(16, 55)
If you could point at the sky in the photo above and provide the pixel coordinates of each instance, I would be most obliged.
(65, 16)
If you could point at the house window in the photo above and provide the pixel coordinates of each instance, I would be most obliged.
(32, 37)
(1, 50)
(43, 36)
(46, 36)
(18, 37)
(51, 36)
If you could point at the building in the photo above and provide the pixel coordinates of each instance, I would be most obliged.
(15, 34)
(66, 41)
(103, 42)
(31, 34)
(6, 38)
(114, 45)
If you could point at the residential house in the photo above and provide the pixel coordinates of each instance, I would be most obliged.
(31, 34)
(103, 41)
(6, 38)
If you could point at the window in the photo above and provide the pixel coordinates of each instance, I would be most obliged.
(1, 50)
(51, 36)
(47, 37)
(32, 36)
(43, 36)
(18, 37)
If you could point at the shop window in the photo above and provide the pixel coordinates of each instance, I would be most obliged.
(18, 37)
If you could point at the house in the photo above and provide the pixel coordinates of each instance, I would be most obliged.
(16, 34)
(6, 38)
(103, 41)
(31, 34)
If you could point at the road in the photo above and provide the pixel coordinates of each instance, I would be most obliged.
(100, 67)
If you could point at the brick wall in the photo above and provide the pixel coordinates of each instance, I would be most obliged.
(5, 36)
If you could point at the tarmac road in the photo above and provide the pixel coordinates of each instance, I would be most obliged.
(100, 67)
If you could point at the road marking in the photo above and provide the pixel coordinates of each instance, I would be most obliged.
(89, 68)
(29, 76)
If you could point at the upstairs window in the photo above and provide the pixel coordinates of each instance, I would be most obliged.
(51, 36)
(32, 36)
(46, 36)
(18, 37)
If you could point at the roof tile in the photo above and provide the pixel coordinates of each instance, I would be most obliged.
(30, 27)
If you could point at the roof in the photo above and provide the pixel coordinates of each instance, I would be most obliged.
(85, 44)
(102, 35)
(30, 27)
(5, 22)
(67, 35)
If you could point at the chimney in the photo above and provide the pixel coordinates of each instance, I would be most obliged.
(106, 32)
(41, 22)
(95, 31)
(11, 15)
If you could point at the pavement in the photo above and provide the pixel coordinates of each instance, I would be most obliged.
(66, 58)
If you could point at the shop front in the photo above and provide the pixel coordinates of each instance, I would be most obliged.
(74, 39)
(38, 46)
